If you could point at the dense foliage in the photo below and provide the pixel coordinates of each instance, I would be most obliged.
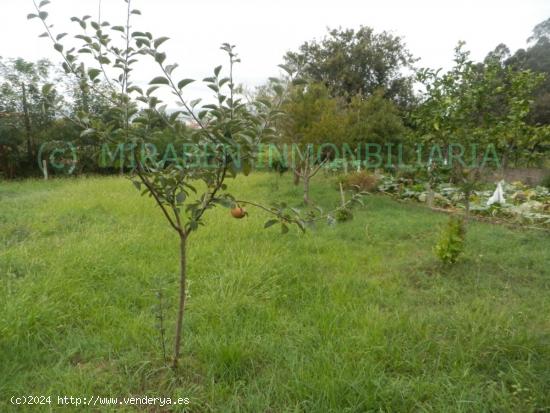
(356, 87)
(351, 62)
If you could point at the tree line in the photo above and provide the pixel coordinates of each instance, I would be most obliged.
(353, 86)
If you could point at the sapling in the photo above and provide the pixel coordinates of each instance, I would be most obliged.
(451, 243)
(343, 213)
(313, 117)
(184, 188)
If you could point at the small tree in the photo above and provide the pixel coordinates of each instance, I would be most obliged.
(184, 187)
(313, 119)
(374, 119)
(451, 242)
(473, 105)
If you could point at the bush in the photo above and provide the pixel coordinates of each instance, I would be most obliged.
(362, 181)
(409, 173)
(451, 243)
(546, 182)
(343, 215)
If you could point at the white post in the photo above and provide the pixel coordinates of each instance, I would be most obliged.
(45, 169)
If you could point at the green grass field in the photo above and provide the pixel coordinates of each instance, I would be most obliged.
(352, 318)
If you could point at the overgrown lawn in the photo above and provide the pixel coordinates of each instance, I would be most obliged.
(351, 318)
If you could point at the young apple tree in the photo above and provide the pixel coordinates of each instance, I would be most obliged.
(183, 187)
(314, 126)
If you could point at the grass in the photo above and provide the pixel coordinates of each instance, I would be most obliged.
(352, 318)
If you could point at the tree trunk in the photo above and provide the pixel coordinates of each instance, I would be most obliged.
(467, 205)
(296, 177)
(30, 145)
(306, 189)
(430, 196)
(183, 283)
(4, 167)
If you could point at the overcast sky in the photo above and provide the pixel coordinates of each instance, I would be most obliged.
(265, 30)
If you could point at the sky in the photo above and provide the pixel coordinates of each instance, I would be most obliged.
(264, 30)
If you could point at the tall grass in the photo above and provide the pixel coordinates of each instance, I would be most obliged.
(352, 318)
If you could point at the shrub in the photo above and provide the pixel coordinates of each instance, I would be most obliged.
(343, 214)
(451, 243)
(408, 173)
(363, 181)
(546, 181)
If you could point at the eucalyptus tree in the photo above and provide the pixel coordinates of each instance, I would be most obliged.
(536, 57)
(26, 93)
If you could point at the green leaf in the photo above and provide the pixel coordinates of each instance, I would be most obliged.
(43, 15)
(87, 132)
(299, 82)
(171, 68)
(284, 228)
(136, 11)
(270, 223)
(32, 16)
(93, 73)
(301, 225)
(87, 39)
(180, 198)
(184, 82)
(47, 88)
(58, 47)
(287, 69)
(60, 36)
(160, 41)
(151, 90)
(137, 89)
(160, 57)
(161, 80)
(140, 42)
(118, 29)
(217, 70)
(279, 90)
(226, 202)
(44, 3)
